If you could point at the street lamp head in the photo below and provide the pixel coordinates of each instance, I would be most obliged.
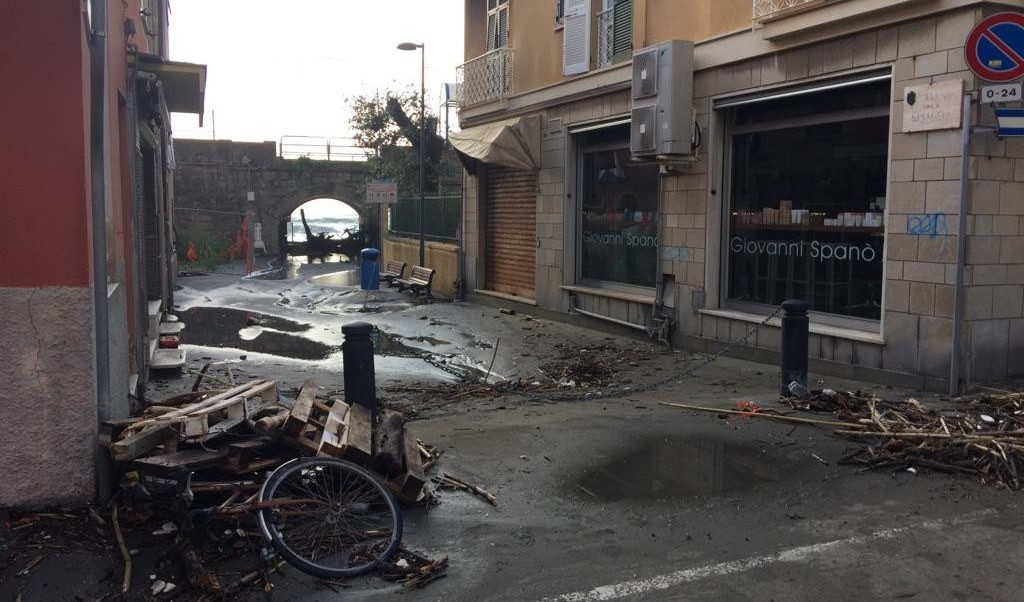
(409, 46)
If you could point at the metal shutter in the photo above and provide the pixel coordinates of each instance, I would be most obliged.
(511, 237)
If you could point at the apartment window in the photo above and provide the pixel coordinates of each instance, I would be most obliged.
(807, 200)
(615, 32)
(618, 222)
(576, 37)
(497, 24)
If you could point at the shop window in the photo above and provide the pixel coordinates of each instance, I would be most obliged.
(618, 212)
(808, 201)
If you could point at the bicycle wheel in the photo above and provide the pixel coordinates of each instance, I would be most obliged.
(329, 517)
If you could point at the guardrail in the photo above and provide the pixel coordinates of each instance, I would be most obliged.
(320, 148)
(483, 79)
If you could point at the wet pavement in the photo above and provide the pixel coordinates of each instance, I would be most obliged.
(611, 497)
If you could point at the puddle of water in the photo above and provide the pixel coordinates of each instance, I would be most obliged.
(346, 278)
(226, 327)
(661, 469)
(390, 345)
(431, 340)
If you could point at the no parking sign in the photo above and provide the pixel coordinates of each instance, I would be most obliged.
(995, 48)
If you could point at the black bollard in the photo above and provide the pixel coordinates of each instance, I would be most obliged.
(795, 326)
(357, 362)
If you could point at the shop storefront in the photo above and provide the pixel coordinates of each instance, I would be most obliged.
(806, 187)
(805, 183)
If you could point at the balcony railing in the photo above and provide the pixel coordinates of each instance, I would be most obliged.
(486, 78)
(769, 9)
(605, 37)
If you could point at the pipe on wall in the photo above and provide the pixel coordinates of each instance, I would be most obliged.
(961, 253)
(98, 124)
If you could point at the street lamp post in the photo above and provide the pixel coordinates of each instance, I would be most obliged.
(423, 135)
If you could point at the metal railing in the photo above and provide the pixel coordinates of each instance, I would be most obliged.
(487, 77)
(605, 37)
(320, 149)
(767, 9)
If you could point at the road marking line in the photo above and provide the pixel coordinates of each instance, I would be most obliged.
(668, 580)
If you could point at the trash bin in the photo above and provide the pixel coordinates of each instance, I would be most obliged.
(368, 267)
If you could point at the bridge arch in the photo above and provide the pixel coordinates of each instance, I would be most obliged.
(216, 176)
(290, 208)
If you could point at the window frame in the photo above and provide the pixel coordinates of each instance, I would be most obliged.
(577, 207)
(726, 107)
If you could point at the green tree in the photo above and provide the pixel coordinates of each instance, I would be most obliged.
(389, 126)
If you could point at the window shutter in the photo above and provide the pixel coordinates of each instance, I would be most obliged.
(503, 27)
(576, 37)
(622, 33)
(497, 28)
(492, 31)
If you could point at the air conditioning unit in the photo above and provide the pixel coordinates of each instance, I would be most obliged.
(662, 102)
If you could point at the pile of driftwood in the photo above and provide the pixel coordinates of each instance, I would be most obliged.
(982, 436)
(225, 435)
(215, 448)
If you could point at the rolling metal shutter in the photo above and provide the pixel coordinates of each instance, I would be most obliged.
(511, 237)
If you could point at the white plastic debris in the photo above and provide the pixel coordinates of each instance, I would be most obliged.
(402, 563)
(170, 587)
(829, 392)
(157, 587)
(988, 419)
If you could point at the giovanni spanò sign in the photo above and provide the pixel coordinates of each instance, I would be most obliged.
(626, 239)
(814, 249)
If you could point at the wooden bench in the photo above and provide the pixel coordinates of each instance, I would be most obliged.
(392, 271)
(419, 281)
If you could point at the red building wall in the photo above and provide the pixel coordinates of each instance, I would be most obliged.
(44, 161)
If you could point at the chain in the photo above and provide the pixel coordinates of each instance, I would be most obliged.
(653, 385)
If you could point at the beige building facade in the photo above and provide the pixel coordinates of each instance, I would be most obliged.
(805, 180)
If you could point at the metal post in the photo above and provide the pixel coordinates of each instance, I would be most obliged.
(958, 289)
(357, 364)
(423, 142)
(795, 325)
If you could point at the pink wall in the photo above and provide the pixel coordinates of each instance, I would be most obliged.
(44, 166)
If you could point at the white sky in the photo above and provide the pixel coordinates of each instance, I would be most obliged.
(286, 67)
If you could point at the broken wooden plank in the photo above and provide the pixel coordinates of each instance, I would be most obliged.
(334, 428)
(357, 440)
(410, 484)
(110, 430)
(140, 443)
(301, 409)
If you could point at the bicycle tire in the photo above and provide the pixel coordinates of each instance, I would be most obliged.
(328, 533)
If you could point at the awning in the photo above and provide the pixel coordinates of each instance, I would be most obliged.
(184, 84)
(513, 142)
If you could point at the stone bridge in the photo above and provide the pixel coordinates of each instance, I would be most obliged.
(213, 177)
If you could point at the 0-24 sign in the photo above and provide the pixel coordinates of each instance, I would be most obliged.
(1003, 93)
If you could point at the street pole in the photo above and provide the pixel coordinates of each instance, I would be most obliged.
(423, 142)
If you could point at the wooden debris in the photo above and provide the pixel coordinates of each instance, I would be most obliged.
(747, 414)
(126, 581)
(409, 485)
(982, 436)
(269, 424)
(448, 481)
(388, 444)
(197, 575)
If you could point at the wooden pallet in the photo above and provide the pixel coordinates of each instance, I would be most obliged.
(199, 421)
